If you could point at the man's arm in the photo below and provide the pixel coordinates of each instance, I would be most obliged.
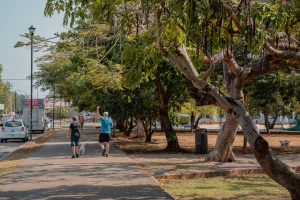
(70, 130)
(98, 112)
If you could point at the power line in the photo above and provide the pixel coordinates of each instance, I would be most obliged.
(15, 79)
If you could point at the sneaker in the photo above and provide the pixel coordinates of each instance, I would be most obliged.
(103, 153)
(77, 156)
(73, 156)
(106, 155)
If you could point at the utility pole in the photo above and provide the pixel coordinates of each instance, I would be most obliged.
(31, 30)
(15, 102)
(53, 106)
(60, 112)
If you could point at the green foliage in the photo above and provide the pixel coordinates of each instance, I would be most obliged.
(5, 97)
(273, 93)
(189, 107)
(115, 58)
(60, 112)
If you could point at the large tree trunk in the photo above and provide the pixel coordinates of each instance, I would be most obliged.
(277, 170)
(223, 148)
(172, 141)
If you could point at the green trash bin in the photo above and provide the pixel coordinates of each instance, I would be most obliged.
(201, 145)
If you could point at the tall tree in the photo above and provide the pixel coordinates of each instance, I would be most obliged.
(211, 29)
(272, 94)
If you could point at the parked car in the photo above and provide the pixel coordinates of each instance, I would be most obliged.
(86, 115)
(14, 129)
(4, 118)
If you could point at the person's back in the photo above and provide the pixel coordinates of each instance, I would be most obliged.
(104, 135)
(106, 123)
(74, 126)
(74, 135)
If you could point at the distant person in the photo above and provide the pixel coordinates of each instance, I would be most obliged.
(105, 131)
(94, 120)
(81, 120)
(74, 136)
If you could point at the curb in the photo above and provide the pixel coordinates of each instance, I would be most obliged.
(212, 174)
(167, 193)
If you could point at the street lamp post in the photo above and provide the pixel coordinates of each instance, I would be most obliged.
(31, 30)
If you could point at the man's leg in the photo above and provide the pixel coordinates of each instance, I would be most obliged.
(102, 148)
(106, 148)
(73, 151)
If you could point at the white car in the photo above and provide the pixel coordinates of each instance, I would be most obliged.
(86, 116)
(14, 129)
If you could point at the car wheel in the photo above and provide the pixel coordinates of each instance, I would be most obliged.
(24, 139)
(5, 140)
(1, 140)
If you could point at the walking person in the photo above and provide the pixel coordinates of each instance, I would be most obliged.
(105, 132)
(81, 120)
(74, 136)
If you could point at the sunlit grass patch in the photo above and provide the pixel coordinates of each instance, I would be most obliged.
(229, 187)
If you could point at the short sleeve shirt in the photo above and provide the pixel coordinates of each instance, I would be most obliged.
(106, 123)
(74, 126)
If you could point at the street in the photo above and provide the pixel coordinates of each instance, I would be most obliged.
(12, 145)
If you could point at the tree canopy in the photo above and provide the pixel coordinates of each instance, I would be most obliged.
(249, 38)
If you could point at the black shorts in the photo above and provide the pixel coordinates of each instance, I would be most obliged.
(74, 141)
(104, 137)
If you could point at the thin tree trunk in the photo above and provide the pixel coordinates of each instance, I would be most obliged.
(148, 131)
(274, 122)
(267, 124)
(245, 145)
(172, 140)
(192, 121)
(130, 127)
(197, 121)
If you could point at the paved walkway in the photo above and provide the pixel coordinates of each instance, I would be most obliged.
(50, 173)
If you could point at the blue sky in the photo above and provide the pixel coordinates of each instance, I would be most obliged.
(15, 18)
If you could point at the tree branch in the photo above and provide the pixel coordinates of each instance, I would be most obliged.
(210, 70)
(268, 65)
(291, 56)
(232, 64)
(184, 64)
(233, 16)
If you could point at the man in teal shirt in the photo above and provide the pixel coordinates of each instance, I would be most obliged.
(106, 124)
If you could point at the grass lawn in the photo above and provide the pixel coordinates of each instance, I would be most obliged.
(256, 187)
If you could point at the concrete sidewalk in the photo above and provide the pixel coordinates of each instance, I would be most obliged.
(51, 173)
